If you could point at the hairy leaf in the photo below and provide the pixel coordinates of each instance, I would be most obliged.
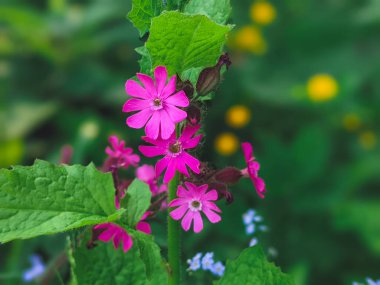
(138, 201)
(252, 268)
(47, 199)
(181, 42)
(142, 13)
(217, 10)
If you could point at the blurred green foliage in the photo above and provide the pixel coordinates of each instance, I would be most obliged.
(63, 65)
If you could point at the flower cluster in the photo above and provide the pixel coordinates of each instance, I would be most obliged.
(206, 263)
(252, 224)
(369, 282)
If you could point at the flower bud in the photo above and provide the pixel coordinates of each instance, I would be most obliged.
(186, 86)
(222, 190)
(209, 78)
(229, 175)
(193, 115)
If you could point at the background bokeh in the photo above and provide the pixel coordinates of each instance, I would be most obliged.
(304, 88)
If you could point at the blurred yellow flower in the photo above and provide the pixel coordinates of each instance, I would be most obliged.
(250, 39)
(226, 143)
(367, 139)
(263, 12)
(89, 130)
(238, 116)
(322, 87)
(351, 122)
(11, 152)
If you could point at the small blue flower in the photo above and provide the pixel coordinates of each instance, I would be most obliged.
(250, 229)
(208, 261)
(218, 269)
(372, 282)
(195, 262)
(37, 269)
(253, 242)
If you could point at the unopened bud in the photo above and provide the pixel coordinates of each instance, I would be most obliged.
(229, 175)
(222, 190)
(209, 78)
(186, 86)
(193, 115)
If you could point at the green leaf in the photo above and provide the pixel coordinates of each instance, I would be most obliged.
(218, 10)
(145, 61)
(181, 42)
(252, 268)
(47, 199)
(142, 13)
(174, 4)
(138, 202)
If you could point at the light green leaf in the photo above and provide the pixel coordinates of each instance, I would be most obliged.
(252, 268)
(218, 10)
(145, 61)
(174, 4)
(47, 199)
(142, 13)
(181, 42)
(138, 202)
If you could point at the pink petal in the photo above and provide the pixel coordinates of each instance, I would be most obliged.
(182, 192)
(191, 187)
(198, 222)
(110, 152)
(134, 89)
(169, 88)
(211, 195)
(247, 150)
(148, 83)
(144, 227)
(179, 99)
(178, 213)
(114, 141)
(146, 173)
(186, 221)
(158, 141)
(161, 165)
(182, 167)
(191, 161)
(127, 242)
(152, 128)
(188, 132)
(191, 143)
(116, 240)
(160, 75)
(202, 189)
(138, 120)
(135, 105)
(211, 216)
(175, 114)
(170, 171)
(145, 215)
(151, 151)
(108, 234)
(167, 125)
(211, 206)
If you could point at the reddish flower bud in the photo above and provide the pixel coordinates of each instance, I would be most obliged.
(186, 86)
(66, 154)
(193, 115)
(209, 78)
(229, 175)
(222, 190)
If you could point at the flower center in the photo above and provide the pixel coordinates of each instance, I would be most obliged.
(157, 104)
(195, 205)
(175, 148)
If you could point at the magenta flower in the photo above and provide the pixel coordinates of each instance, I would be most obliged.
(191, 203)
(119, 235)
(252, 169)
(120, 155)
(175, 156)
(115, 233)
(157, 104)
(147, 174)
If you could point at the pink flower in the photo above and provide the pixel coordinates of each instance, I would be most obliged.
(252, 169)
(147, 174)
(115, 233)
(191, 203)
(157, 104)
(119, 235)
(120, 155)
(175, 156)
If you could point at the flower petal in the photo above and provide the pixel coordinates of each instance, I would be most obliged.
(177, 202)
(198, 222)
(135, 105)
(191, 143)
(161, 165)
(211, 206)
(134, 89)
(160, 75)
(116, 240)
(138, 120)
(169, 88)
(178, 213)
(211, 195)
(211, 216)
(175, 114)
(148, 83)
(247, 150)
(152, 128)
(167, 125)
(151, 151)
(188, 132)
(181, 166)
(170, 171)
(126, 241)
(191, 161)
(186, 221)
(182, 192)
(179, 99)
(144, 227)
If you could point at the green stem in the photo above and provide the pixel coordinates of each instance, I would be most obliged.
(174, 237)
